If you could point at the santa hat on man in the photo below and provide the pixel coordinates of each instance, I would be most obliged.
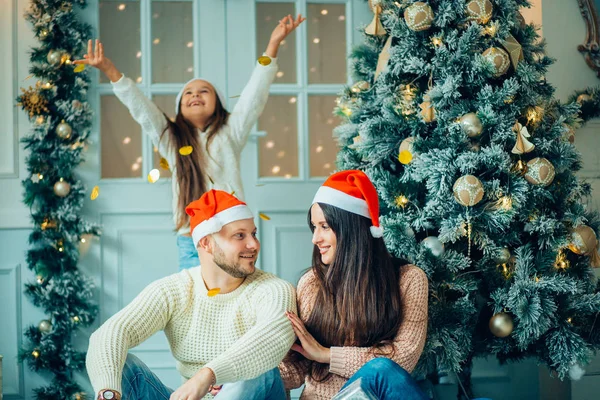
(214, 210)
(352, 191)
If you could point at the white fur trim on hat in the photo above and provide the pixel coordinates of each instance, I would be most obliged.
(180, 94)
(215, 223)
(334, 197)
(377, 231)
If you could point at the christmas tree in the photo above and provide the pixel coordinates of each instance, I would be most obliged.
(61, 123)
(452, 118)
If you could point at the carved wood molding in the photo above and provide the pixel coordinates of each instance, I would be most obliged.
(590, 48)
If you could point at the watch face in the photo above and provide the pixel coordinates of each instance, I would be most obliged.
(108, 395)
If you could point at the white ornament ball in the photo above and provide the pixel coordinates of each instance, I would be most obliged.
(418, 16)
(62, 188)
(434, 245)
(54, 57)
(471, 125)
(63, 130)
(576, 372)
(45, 326)
(406, 153)
(501, 325)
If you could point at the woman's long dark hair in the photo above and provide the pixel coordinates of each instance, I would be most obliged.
(358, 298)
(189, 169)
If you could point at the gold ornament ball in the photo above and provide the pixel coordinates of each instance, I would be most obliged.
(62, 188)
(471, 125)
(418, 16)
(468, 190)
(54, 57)
(501, 325)
(479, 11)
(63, 130)
(583, 97)
(45, 326)
(499, 58)
(360, 86)
(540, 172)
(583, 240)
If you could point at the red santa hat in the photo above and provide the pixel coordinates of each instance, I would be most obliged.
(214, 210)
(352, 191)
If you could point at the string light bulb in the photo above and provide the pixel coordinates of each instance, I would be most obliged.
(35, 353)
(402, 201)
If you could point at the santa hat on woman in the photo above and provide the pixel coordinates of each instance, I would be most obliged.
(352, 191)
(214, 210)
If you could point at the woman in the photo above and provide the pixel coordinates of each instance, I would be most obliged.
(361, 314)
(216, 136)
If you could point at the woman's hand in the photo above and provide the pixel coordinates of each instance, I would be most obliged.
(310, 348)
(286, 26)
(95, 58)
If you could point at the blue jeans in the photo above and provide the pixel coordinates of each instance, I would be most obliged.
(188, 254)
(387, 381)
(139, 383)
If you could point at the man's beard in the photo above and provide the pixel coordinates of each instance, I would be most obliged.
(233, 269)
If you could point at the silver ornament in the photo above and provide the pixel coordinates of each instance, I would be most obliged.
(63, 130)
(471, 125)
(45, 326)
(501, 325)
(503, 256)
(62, 188)
(54, 57)
(433, 244)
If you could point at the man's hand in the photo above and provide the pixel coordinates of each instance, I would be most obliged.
(196, 387)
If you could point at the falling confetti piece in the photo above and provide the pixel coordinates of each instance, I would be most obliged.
(232, 193)
(164, 164)
(405, 157)
(210, 179)
(264, 60)
(235, 97)
(264, 216)
(95, 193)
(153, 175)
(186, 150)
(214, 292)
(79, 68)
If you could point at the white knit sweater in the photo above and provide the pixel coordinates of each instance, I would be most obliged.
(221, 169)
(239, 335)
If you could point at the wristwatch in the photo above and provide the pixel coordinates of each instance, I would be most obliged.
(109, 394)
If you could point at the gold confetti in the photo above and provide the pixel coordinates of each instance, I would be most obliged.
(95, 193)
(232, 193)
(164, 164)
(214, 292)
(264, 60)
(405, 157)
(79, 68)
(153, 175)
(264, 216)
(186, 150)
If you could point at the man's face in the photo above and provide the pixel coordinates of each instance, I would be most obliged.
(236, 248)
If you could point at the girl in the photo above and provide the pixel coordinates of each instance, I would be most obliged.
(355, 304)
(216, 136)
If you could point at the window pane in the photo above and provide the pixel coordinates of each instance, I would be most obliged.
(172, 42)
(278, 151)
(267, 18)
(119, 20)
(167, 105)
(121, 141)
(326, 27)
(323, 148)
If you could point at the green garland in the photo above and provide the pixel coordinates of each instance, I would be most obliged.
(62, 120)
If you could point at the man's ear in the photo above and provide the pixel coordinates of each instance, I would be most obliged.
(206, 244)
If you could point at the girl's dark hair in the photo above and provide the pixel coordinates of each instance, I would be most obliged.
(358, 297)
(189, 171)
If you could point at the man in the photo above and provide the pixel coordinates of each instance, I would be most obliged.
(225, 320)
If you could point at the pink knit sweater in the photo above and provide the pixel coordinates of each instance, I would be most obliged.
(345, 361)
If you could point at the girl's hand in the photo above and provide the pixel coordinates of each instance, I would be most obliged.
(311, 349)
(95, 58)
(285, 27)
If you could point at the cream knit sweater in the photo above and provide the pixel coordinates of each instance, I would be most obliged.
(345, 361)
(221, 168)
(239, 335)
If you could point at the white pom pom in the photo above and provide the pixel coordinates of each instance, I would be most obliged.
(377, 231)
(576, 372)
